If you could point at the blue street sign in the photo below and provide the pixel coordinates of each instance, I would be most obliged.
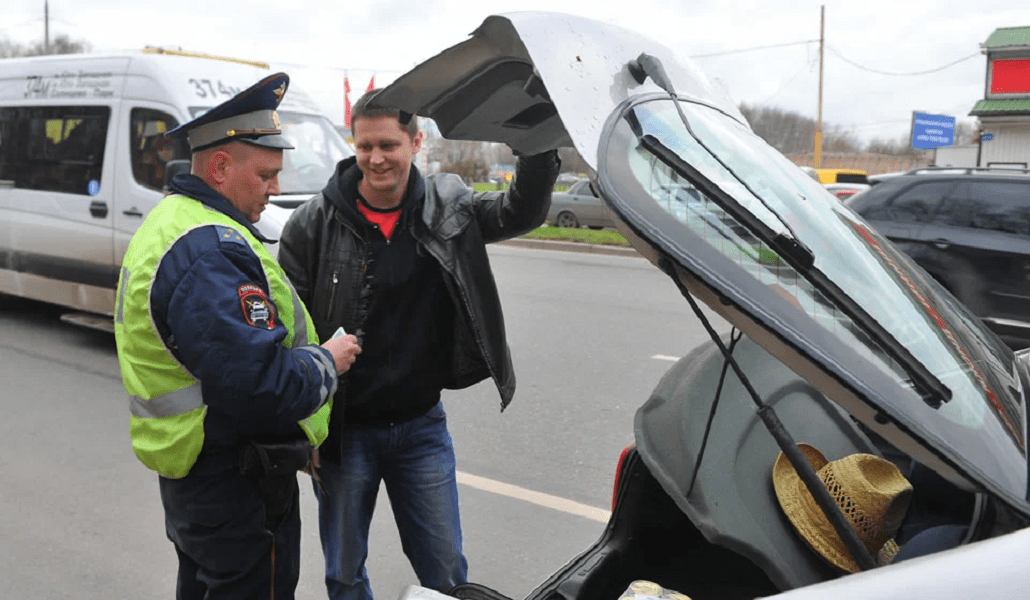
(986, 137)
(932, 131)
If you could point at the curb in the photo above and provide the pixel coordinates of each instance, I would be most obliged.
(571, 247)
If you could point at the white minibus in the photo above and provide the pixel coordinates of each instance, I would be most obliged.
(83, 159)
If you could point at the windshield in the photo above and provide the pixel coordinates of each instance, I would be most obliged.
(721, 200)
(317, 147)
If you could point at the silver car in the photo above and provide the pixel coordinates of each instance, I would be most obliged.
(579, 206)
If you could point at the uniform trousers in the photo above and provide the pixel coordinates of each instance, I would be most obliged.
(236, 536)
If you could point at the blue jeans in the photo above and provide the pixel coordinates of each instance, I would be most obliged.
(416, 461)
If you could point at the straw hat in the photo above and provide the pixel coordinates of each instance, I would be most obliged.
(871, 492)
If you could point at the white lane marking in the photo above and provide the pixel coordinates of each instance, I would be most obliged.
(666, 357)
(539, 498)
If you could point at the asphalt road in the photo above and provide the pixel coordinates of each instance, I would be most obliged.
(591, 334)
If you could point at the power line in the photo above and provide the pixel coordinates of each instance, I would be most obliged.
(928, 71)
(805, 67)
(753, 49)
(20, 25)
(840, 56)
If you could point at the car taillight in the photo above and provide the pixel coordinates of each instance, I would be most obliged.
(618, 471)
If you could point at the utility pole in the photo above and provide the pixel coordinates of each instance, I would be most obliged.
(46, 26)
(818, 152)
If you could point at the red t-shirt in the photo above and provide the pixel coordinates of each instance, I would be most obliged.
(386, 219)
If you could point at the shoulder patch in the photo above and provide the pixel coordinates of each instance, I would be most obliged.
(228, 235)
(257, 310)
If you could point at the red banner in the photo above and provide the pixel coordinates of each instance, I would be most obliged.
(346, 102)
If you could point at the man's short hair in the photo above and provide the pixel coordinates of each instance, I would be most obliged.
(361, 110)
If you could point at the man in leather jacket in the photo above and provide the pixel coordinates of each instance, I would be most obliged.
(400, 261)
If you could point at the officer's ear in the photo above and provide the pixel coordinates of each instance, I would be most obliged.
(218, 167)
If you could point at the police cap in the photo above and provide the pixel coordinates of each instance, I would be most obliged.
(249, 116)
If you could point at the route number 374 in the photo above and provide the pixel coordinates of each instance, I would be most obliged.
(206, 88)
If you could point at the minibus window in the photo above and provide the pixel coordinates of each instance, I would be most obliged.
(54, 148)
(150, 149)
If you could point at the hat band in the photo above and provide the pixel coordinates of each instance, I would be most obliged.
(236, 132)
(258, 123)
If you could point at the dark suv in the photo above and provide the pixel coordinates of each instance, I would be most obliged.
(970, 229)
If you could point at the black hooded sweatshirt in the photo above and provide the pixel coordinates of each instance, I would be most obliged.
(408, 314)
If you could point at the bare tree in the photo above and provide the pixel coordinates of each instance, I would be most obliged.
(887, 146)
(473, 160)
(788, 132)
(571, 161)
(793, 133)
(497, 154)
(62, 44)
(899, 146)
(965, 132)
(8, 49)
(467, 159)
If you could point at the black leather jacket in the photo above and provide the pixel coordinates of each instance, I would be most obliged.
(323, 253)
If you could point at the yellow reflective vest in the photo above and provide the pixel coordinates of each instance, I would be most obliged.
(168, 408)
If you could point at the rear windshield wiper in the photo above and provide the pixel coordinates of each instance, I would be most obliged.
(932, 390)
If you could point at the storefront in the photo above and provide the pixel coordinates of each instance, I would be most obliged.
(1004, 113)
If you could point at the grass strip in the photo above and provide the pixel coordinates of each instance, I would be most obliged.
(604, 237)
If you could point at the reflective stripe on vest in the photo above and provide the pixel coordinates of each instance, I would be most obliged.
(300, 329)
(167, 405)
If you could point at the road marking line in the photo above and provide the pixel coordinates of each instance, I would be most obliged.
(539, 498)
(666, 357)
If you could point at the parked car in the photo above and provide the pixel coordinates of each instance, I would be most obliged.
(843, 191)
(842, 183)
(970, 229)
(839, 339)
(881, 177)
(837, 175)
(567, 179)
(579, 206)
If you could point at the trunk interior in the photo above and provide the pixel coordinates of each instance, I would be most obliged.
(647, 538)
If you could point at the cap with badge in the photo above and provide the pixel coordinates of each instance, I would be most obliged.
(249, 116)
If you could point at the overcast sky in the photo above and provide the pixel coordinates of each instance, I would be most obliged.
(875, 67)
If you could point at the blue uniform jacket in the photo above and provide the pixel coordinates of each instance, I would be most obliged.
(252, 385)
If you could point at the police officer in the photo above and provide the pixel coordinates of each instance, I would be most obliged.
(229, 391)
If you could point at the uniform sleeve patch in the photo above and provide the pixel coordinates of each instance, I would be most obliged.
(257, 310)
(228, 235)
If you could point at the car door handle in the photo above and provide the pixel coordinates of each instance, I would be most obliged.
(98, 209)
(941, 244)
(132, 212)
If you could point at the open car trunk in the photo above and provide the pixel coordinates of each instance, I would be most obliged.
(849, 346)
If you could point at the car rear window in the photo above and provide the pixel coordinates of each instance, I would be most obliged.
(916, 204)
(852, 178)
(737, 216)
(994, 206)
